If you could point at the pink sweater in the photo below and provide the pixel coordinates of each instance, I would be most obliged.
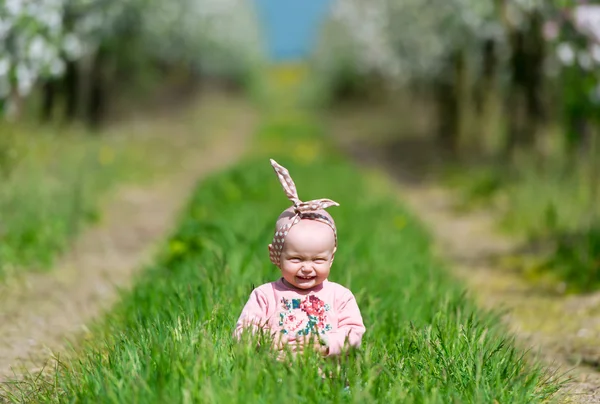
(329, 309)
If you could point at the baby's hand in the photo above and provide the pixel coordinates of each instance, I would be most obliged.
(322, 345)
(280, 342)
(318, 343)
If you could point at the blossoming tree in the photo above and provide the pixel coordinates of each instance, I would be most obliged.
(461, 47)
(50, 42)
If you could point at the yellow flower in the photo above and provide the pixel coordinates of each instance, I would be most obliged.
(177, 247)
(399, 222)
(289, 75)
(306, 152)
(106, 155)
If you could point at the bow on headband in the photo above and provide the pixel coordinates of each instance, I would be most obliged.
(302, 210)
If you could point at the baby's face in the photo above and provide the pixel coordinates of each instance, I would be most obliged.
(307, 254)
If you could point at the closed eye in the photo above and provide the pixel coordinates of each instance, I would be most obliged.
(320, 260)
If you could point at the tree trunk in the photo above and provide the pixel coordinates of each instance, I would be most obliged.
(71, 91)
(48, 99)
(13, 105)
(535, 64)
(96, 104)
(487, 96)
(487, 88)
(452, 103)
(447, 136)
(594, 174)
(464, 128)
(525, 105)
(517, 126)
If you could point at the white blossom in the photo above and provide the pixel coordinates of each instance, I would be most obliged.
(57, 67)
(565, 53)
(35, 43)
(25, 79)
(551, 30)
(595, 52)
(5, 26)
(38, 48)
(14, 7)
(587, 19)
(585, 60)
(72, 46)
(403, 39)
(4, 67)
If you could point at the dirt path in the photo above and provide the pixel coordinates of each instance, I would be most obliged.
(562, 331)
(40, 312)
(554, 326)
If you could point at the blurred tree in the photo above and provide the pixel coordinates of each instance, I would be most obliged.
(492, 48)
(81, 48)
(414, 41)
(526, 63)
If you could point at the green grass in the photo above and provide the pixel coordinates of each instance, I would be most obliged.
(51, 183)
(169, 340)
(55, 179)
(550, 206)
(535, 201)
(576, 259)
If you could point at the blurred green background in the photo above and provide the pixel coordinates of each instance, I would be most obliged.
(499, 99)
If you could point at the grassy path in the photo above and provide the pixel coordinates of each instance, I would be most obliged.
(55, 178)
(40, 310)
(560, 330)
(556, 328)
(169, 339)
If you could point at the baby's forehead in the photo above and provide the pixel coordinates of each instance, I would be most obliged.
(311, 226)
(311, 230)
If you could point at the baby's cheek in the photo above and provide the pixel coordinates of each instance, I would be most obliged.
(290, 267)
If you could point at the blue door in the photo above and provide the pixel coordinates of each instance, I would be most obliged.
(291, 27)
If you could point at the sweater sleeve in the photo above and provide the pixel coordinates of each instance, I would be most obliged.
(254, 314)
(350, 325)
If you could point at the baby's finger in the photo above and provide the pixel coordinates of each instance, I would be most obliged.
(313, 339)
(305, 340)
(323, 340)
(279, 341)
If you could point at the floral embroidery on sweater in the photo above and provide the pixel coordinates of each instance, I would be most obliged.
(304, 316)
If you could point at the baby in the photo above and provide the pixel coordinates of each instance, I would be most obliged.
(303, 308)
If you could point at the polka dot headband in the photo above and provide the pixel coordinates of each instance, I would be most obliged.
(301, 210)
